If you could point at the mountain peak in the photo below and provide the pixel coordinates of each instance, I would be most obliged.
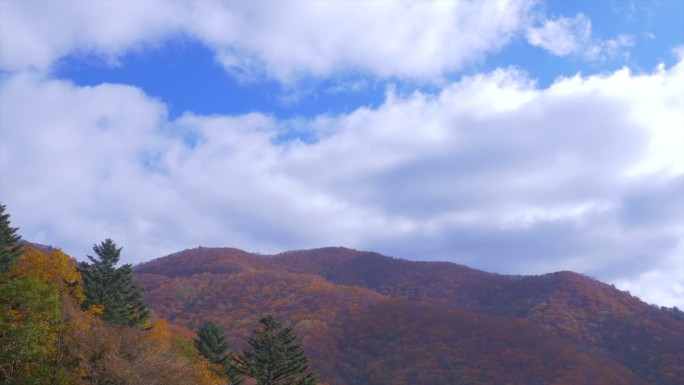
(360, 312)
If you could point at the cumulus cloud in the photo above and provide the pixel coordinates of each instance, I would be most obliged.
(562, 36)
(70, 152)
(34, 34)
(491, 171)
(284, 40)
(573, 36)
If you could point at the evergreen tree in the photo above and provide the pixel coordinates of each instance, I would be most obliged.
(110, 289)
(212, 345)
(274, 358)
(10, 249)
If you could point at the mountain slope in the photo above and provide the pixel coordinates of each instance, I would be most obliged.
(583, 310)
(366, 318)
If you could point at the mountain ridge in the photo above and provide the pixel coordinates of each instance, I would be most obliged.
(329, 294)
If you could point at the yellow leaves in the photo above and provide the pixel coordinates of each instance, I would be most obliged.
(15, 315)
(54, 267)
(77, 293)
(160, 335)
(51, 336)
(95, 310)
(205, 372)
(81, 372)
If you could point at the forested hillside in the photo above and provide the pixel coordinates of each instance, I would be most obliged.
(369, 319)
(331, 316)
(48, 339)
(69, 323)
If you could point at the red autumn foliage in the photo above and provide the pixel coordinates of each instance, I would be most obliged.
(366, 318)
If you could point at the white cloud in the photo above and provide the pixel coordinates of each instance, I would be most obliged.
(562, 36)
(573, 36)
(384, 38)
(663, 285)
(283, 40)
(492, 172)
(82, 151)
(34, 34)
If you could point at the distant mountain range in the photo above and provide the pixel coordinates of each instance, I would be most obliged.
(367, 319)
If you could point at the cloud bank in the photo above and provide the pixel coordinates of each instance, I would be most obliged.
(489, 170)
(284, 40)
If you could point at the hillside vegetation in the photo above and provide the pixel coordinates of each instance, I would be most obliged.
(369, 319)
(331, 316)
(47, 339)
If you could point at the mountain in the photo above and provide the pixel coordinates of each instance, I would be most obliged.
(365, 318)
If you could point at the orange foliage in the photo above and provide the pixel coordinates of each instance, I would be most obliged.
(87, 351)
(365, 318)
(54, 267)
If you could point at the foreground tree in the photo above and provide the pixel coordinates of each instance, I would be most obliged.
(212, 345)
(29, 325)
(58, 270)
(10, 249)
(110, 290)
(274, 359)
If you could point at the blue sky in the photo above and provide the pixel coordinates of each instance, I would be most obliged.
(163, 70)
(519, 137)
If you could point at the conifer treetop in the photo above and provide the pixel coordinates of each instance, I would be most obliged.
(112, 288)
(212, 344)
(274, 358)
(10, 247)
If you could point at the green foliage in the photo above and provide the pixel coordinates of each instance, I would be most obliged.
(10, 249)
(31, 320)
(212, 345)
(274, 358)
(112, 288)
(46, 338)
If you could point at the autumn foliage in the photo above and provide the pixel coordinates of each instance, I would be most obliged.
(47, 339)
(364, 318)
(360, 318)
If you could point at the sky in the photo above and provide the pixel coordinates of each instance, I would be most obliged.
(516, 137)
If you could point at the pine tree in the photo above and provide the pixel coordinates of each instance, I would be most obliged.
(274, 358)
(212, 345)
(10, 249)
(111, 289)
